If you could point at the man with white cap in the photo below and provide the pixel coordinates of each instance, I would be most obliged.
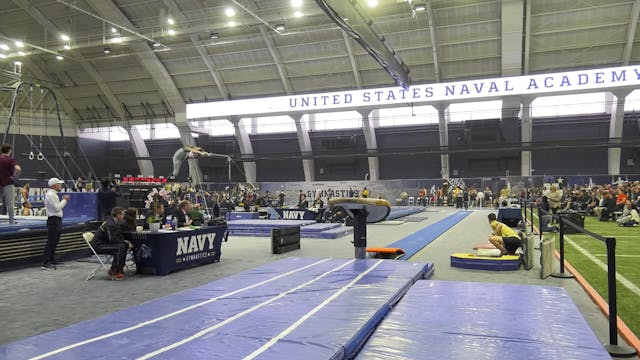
(53, 207)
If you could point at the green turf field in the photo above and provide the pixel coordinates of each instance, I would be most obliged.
(589, 257)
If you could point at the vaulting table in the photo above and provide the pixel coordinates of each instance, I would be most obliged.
(165, 251)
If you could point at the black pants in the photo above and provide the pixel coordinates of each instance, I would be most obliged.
(54, 229)
(119, 252)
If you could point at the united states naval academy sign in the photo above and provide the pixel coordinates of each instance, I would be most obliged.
(556, 83)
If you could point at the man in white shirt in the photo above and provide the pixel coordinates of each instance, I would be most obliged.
(53, 207)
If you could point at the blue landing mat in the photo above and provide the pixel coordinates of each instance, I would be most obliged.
(416, 241)
(400, 211)
(37, 223)
(322, 308)
(464, 320)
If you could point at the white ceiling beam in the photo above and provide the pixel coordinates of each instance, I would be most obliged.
(28, 7)
(631, 32)
(211, 66)
(434, 40)
(352, 59)
(276, 58)
(148, 59)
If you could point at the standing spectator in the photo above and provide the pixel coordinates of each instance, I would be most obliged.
(106, 198)
(53, 207)
(480, 198)
(457, 197)
(473, 195)
(24, 192)
(9, 172)
(555, 199)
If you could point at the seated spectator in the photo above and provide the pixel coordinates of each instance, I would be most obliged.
(197, 218)
(303, 203)
(182, 215)
(109, 240)
(629, 216)
(129, 221)
(607, 208)
(26, 209)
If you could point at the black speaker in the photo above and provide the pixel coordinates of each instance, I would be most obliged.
(285, 239)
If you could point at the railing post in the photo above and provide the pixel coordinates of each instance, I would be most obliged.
(531, 218)
(561, 274)
(613, 348)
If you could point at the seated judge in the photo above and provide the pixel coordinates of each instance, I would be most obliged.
(303, 203)
(108, 239)
(196, 215)
(156, 215)
(182, 214)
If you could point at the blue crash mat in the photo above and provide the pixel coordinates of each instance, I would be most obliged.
(322, 308)
(465, 320)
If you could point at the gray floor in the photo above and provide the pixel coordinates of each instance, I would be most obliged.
(35, 301)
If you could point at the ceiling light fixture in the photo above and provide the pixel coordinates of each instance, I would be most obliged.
(372, 3)
(296, 3)
(4, 46)
(280, 27)
(3, 56)
(116, 39)
(21, 53)
(155, 44)
(59, 57)
(214, 35)
(107, 50)
(67, 47)
(230, 12)
(65, 37)
(114, 30)
(418, 8)
(19, 44)
(298, 14)
(170, 21)
(171, 32)
(231, 23)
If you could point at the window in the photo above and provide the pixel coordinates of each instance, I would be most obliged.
(274, 124)
(591, 103)
(475, 111)
(337, 120)
(408, 115)
(632, 101)
(111, 133)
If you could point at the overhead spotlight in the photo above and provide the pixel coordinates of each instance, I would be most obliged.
(65, 37)
(116, 39)
(419, 8)
(3, 56)
(230, 12)
(214, 35)
(296, 3)
(155, 44)
(171, 32)
(67, 47)
(59, 57)
(21, 53)
(298, 14)
(231, 23)
(4, 46)
(107, 50)
(17, 63)
(114, 30)
(280, 27)
(372, 3)
(170, 21)
(19, 44)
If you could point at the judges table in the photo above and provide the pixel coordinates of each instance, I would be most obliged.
(299, 213)
(165, 251)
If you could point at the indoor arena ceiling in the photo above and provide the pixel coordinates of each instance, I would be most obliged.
(270, 51)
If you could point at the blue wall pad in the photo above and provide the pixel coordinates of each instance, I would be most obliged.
(471, 261)
(292, 308)
(400, 211)
(416, 241)
(465, 320)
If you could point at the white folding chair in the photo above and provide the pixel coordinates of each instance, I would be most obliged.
(88, 236)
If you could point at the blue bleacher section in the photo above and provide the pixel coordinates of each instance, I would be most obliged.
(421, 238)
(290, 309)
(464, 320)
